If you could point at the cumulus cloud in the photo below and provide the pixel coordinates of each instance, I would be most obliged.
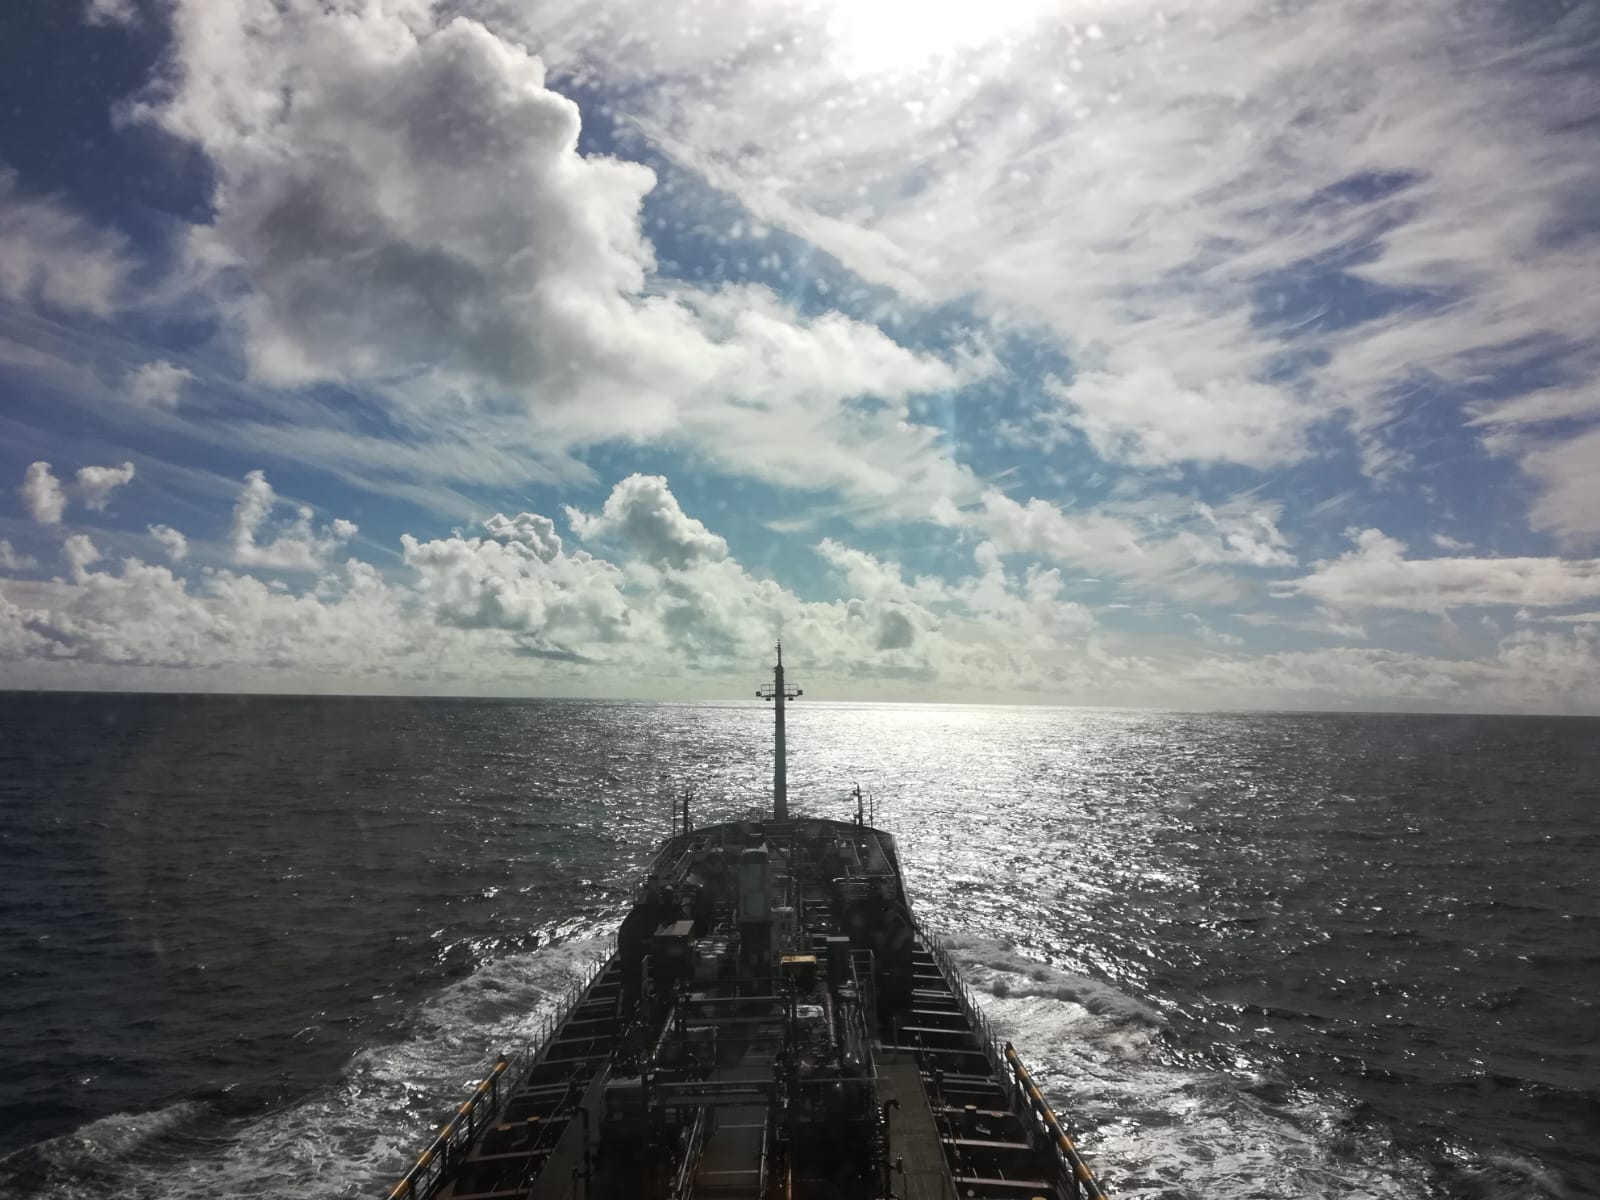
(11, 560)
(52, 256)
(644, 515)
(477, 607)
(416, 218)
(46, 499)
(871, 578)
(1377, 574)
(673, 593)
(80, 553)
(516, 612)
(173, 543)
(895, 630)
(507, 248)
(295, 546)
(42, 494)
(94, 485)
(142, 616)
(521, 586)
(1032, 609)
(157, 384)
(530, 529)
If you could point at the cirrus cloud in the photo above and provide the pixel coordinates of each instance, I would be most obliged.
(1251, 219)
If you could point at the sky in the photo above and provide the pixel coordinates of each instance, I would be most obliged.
(1192, 355)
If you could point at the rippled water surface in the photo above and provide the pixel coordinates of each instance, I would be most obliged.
(249, 941)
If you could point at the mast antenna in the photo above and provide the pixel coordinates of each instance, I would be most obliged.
(778, 694)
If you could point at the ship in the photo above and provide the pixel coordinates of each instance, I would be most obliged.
(771, 1022)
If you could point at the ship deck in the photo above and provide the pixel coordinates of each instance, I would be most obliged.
(696, 1064)
(916, 1137)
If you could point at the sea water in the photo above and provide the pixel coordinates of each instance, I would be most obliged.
(255, 947)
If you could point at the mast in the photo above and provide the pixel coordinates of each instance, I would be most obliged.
(777, 693)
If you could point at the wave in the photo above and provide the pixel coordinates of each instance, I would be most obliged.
(1103, 1058)
(90, 1160)
(350, 1139)
(1508, 1177)
(997, 968)
(1160, 1130)
(1163, 1130)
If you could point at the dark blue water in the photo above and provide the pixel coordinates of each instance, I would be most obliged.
(255, 944)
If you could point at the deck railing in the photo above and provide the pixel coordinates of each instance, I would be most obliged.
(490, 1097)
(436, 1161)
(1024, 1089)
(1076, 1178)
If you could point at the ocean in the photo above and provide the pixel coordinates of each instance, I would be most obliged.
(257, 947)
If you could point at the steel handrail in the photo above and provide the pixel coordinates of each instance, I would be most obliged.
(427, 1173)
(1023, 1092)
(1064, 1145)
(432, 1162)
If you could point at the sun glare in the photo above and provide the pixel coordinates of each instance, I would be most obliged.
(884, 36)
